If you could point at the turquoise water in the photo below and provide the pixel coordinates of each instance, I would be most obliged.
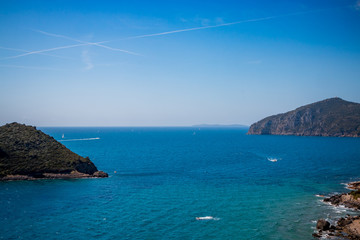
(166, 177)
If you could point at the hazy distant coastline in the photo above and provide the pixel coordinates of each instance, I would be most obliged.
(220, 126)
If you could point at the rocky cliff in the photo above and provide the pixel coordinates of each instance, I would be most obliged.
(27, 153)
(330, 117)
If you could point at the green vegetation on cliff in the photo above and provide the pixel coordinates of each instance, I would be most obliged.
(330, 117)
(24, 150)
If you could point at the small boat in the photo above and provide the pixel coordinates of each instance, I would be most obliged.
(272, 159)
(205, 218)
(63, 136)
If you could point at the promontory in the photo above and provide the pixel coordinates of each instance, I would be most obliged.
(27, 154)
(331, 117)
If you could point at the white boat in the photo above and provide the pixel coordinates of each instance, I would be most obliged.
(63, 136)
(205, 218)
(272, 159)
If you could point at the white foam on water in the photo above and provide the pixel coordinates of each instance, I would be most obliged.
(207, 218)
(347, 186)
(80, 139)
(325, 236)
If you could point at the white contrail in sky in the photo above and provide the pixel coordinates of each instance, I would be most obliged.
(22, 50)
(198, 28)
(99, 44)
(89, 43)
(62, 47)
(45, 50)
(231, 23)
(30, 67)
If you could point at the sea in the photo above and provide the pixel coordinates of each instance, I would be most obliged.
(161, 179)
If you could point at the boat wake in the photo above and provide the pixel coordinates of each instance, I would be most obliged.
(208, 218)
(80, 139)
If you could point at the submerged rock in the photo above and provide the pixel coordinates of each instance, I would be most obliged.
(27, 154)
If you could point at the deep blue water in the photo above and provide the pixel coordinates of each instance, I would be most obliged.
(165, 177)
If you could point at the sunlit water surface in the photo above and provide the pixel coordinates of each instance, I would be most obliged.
(161, 179)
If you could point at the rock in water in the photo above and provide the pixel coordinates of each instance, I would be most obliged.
(330, 117)
(323, 225)
(28, 153)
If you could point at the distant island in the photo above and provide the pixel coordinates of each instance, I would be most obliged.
(331, 117)
(27, 154)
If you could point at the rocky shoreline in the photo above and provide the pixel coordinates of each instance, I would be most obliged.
(346, 227)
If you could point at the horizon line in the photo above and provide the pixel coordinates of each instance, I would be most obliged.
(193, 125)
(155, 126)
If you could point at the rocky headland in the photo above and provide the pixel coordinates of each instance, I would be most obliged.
(331, 117)
(349, 200)
(346, 227)
(28, 154)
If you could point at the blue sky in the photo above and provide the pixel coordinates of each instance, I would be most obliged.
(173, 63)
